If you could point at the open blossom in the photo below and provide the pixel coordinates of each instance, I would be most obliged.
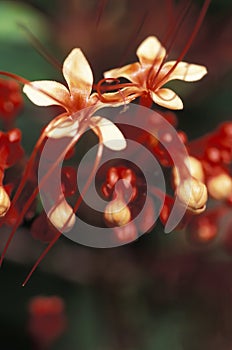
(151, 73)
(76, 97)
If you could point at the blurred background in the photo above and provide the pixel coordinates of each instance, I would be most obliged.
(161, 291)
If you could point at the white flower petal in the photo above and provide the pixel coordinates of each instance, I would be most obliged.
(129, 72)
(67, 127)
(40, 92)
(110, 133)
(77, 73)
(167, 98)
(150, 50)
(185, 71)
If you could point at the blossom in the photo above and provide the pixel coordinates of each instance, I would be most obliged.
(75, 98)
(47, 319)
(151, 73)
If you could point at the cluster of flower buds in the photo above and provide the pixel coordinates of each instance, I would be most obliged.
(125, 191)
(214, 157)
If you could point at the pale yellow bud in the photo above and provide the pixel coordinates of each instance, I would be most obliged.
(220, 186)
(117, 213)
(195, 168)
(193, 193)
(4, 202)
(62, 216)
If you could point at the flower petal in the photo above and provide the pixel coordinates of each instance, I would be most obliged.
(150, 50)
(41, 92)
(185, 71)
(129, 72)
(167, 98)
(65, 127)
(110, 133)
(77, 73)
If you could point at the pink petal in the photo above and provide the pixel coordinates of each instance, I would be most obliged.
(77, 73)
(185, 71)
(110, 133)
(65, 127)
(150, 50)
(129, 72)
(41, 92)
(167, 98)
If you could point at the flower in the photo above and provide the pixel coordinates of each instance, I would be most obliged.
(150, 74)
(75, 98)
(11, 101)
(47, 320)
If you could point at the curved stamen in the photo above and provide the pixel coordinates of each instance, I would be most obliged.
(40, 47)
(35, 193)
(30, 163)
(77, 204)
(118, 87)
(190, 41)
(172, 42)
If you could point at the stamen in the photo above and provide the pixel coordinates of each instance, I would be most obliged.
(40, 47)
(178, 26)
(101, 8)
(46, 250)
(35, 193)
(191, 39)
(77, 204)
(118, 86)
(132, 39)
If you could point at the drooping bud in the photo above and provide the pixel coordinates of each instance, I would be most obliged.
(62, 216)
(4, 202)
(195, 168)
(193, 193)
(220, 186)
(117, 213)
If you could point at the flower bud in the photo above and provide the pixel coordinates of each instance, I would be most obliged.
(195, 168)
(220, 186)
(193, 193)
(117, 213)
(62, 216)
(4, 201)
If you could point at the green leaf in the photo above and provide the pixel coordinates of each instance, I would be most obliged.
(13, 14)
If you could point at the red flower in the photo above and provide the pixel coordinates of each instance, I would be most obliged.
(47, 320)
(11, 100)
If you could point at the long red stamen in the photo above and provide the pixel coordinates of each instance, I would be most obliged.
(40, 47)
(119, 86)
(190, 41)
(90, 178)
(172, 41)
(133, 38)
(47, 249)
(35, 193)
(77, 204)
(30, 164)
(101, 8)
